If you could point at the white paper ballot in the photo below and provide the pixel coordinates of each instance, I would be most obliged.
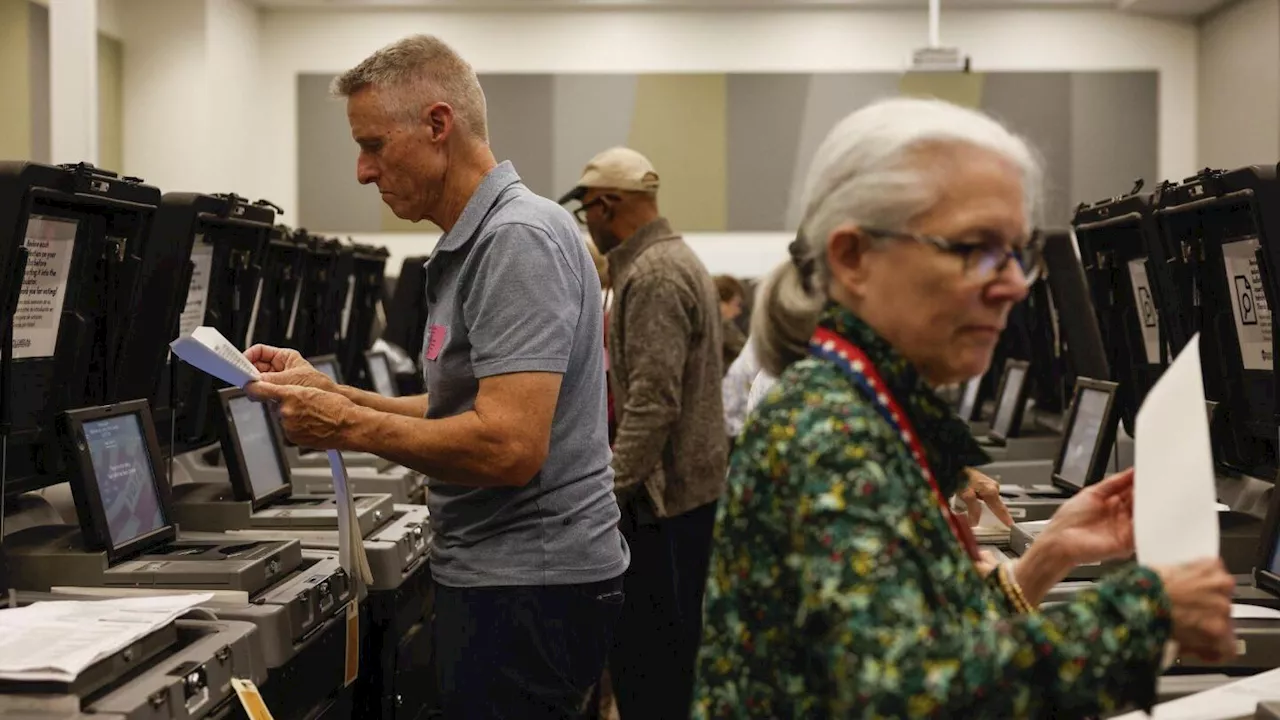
(207, 349)
(1175, 515)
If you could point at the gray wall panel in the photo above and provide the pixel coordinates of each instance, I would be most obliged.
(830, 98)
(1038, 107)
(329, 197)
(591, 113)
(520, 126)
(1114, 121)
(763, 136)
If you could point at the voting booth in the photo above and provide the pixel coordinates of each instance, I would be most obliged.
(1220, 229)
(1114, 236)
(283, 264)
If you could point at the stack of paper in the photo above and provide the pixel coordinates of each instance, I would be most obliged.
(209, 350)
(57, 640)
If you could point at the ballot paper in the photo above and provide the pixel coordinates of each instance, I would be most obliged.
(1234, 700)
(57, 640)
(208, 350)
(1175, 504)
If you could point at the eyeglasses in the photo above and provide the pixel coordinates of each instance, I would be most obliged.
(983, 262)
(580, 212)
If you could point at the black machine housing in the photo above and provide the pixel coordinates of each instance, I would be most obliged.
(1208, 227)
(235, 232)
(1115, 237)
(112, 219)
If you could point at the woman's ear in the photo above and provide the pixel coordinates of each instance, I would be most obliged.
(847, 259)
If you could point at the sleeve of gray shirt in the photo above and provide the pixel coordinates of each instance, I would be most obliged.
(657, 342)
(523, 304)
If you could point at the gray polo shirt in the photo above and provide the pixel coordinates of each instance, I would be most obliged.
(511, 288)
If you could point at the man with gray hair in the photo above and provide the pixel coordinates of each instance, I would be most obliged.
(526, 552)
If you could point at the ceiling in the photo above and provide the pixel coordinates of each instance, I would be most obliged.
(1188, 9)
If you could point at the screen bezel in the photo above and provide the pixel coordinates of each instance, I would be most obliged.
(237, 467)
(1106, 434)
(371, 356)
(972, 387)
(1263, 578)
(84, 484)
(995, 435)
(329, 358)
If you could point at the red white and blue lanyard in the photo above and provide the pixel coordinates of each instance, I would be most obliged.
(854, 362)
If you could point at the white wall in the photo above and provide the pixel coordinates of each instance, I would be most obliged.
(232, 64)
(191, 74)
(1239, 106)
(165, 103)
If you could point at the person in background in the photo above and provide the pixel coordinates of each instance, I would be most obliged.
(670, 451)
(842, 582)
(731, 297)
(512, 434)
(606, 288)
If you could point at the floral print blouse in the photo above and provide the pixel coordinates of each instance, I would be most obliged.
(837, 588)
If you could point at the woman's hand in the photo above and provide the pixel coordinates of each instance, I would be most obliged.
(1097, 524)
(982, 489)
(1200, 593)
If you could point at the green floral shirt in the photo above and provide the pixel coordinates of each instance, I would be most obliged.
(838, 589)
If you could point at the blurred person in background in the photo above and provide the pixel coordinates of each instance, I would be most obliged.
(731, 297)
(669, 452)
(842, 582)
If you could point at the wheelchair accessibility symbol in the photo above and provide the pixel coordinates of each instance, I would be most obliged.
(1147, 307)
(1244, 296)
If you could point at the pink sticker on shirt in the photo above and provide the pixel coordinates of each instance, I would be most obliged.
(435, 341)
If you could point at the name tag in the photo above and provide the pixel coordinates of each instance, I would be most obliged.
(436, 336)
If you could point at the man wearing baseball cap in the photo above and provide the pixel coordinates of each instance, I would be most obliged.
(670, 451)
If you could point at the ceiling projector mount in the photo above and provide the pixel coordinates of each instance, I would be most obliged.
(935, 57)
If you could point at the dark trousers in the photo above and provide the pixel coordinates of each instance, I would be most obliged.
(655, 648)
(523, 652)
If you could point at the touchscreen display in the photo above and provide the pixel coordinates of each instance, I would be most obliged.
(1009, 401)
(328, 368)
(126, 480)
(380, 373)
(257, 444)
(1091, 411)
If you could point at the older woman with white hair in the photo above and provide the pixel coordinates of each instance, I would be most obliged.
(842, 584)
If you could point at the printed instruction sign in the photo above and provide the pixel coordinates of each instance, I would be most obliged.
(1148, 315)
(197, 304)
(50, 243)
(1249, 303)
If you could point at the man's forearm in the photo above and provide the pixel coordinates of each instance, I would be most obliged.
(410, 406)
(460, 449)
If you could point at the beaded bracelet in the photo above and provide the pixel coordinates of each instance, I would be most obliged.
(1004, 574)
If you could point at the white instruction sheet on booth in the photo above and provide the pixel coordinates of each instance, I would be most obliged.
(1249, 303)
(50, 244)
